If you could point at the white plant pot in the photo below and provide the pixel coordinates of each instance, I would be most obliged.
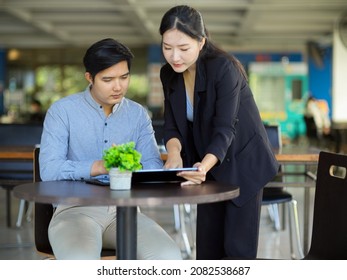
(120, 180)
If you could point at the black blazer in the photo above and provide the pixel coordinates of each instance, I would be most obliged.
(227, 124)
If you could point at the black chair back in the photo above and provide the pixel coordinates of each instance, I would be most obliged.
(329, 230)
(18, 135)
(274, 135)
(43, 216)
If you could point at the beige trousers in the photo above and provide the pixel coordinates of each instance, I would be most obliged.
(80, 232)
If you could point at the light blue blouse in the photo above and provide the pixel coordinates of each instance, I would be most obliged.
(190, 109)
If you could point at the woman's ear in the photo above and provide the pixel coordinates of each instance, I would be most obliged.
(88, 77)
(202, 43)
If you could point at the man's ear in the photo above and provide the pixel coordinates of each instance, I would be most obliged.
(88, 77)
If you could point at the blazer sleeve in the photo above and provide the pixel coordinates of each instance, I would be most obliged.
(226, 88)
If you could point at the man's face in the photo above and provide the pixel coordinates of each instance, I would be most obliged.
(110, 85)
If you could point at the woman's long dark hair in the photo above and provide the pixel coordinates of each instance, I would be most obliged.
(189, 21)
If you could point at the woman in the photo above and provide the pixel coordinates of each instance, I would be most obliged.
(212, 122)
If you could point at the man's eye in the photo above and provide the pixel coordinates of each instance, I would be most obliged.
(184, 50)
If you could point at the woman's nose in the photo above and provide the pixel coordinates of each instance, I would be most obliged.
(175, 55)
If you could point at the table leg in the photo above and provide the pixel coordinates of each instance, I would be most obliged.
(8, 207)
(126, 233)
(307, 209)
(338, 140)
(306, 219)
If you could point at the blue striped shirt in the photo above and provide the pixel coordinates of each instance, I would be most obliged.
(76, 132)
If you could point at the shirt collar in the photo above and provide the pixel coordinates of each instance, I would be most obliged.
(88, 96)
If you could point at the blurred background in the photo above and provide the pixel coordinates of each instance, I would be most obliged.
(291, 50)
(294, 51)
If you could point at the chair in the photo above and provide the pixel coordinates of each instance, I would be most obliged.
(42, 217)
(186, 214)
(8, 185)
(13, 173)
(274, 196)
(329, 229)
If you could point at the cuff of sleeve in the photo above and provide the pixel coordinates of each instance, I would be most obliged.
(83, 170)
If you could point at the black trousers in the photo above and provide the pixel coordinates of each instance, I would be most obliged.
(227, 231)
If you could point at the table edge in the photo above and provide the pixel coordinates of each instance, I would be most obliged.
(141, 201)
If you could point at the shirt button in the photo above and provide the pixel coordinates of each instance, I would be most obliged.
(105, 141)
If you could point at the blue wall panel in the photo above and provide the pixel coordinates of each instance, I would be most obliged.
(320, 77)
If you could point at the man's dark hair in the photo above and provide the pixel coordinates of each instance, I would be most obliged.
(104, 54)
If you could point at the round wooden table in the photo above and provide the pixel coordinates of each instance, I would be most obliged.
(142, 194)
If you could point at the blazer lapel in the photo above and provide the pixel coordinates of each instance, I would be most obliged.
(199, 88)
(178, 104)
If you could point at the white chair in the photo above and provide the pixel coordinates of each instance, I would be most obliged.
(185, 214)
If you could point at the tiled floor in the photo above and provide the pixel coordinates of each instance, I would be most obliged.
(17, 243)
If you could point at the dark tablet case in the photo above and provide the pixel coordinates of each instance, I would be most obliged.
(149, 176)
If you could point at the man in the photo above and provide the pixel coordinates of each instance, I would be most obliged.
(77, 129)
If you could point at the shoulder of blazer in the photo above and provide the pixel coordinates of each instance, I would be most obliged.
(210, 68)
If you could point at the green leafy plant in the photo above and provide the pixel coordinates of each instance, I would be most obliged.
(123, 156)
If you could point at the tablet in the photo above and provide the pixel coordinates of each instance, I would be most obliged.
(99, 182)
(159, 175)
(149, 176)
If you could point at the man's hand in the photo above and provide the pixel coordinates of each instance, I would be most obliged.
(98, 168)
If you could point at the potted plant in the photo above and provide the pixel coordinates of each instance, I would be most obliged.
(121, 160)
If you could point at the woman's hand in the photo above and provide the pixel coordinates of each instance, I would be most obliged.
(199, 176)
(173, 161)
(194, 177)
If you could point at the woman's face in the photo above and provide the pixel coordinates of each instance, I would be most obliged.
(180, 50)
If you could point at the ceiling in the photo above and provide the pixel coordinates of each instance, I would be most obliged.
(285, 25)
